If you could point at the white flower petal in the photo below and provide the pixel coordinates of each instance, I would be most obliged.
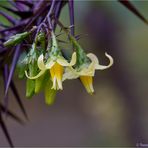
(88, 71)
(59, 83)
(41, 64)
(102, 67)
(64, 62)
(54, 83)
(73, 59)
(93, 58)
(70, 73)
(49, 64)
(35, 77)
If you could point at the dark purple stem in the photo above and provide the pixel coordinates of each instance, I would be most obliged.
(57, 12)
(47, 17)
(71, 15)
(49, 13)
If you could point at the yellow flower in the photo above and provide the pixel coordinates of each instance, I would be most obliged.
(55, 65)
(86, 71)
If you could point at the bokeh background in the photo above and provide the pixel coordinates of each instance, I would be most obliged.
(117, 115)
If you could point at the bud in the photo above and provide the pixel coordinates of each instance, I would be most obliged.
(16, 39)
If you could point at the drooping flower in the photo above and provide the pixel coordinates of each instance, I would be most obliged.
(55, 64)
(86, 71)
(85, 67)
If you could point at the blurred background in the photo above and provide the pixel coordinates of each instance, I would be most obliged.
(117, 114)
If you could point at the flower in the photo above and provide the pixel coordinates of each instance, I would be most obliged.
(56, 66)
(86, 71)
(55, 63)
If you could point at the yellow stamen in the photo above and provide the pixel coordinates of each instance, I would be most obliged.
(56, 74)
(88, 83)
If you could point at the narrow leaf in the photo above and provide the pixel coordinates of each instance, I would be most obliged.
(133, 9)
(71, 15)
(18, 99)
(11, 114)
(27, 3)
(5, 78)
(17, 27)
(57, 12)
(5, 130)
(14, 61)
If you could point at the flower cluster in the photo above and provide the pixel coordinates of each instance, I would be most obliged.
(46, 68)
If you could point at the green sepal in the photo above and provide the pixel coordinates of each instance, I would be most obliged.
(42, 40)
(21, 72)
(21, 66)
(30, 87)
(16, 39)
(53, 50)
(49, 93)
(81, 55)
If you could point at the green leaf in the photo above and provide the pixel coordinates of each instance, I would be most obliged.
(133, 9)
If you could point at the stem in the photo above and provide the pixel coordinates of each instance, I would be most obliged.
(47, 17)
(82, 58)
(71, 14)
(57, 12)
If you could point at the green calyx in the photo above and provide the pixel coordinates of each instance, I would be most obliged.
(81, 55)
(26, 61)
(42, 40)
(30, 85)
(32, 68)
(54, 51)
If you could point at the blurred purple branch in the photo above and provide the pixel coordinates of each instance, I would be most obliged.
(19, 26)
(14, 90)
(133, 9)
(8, 17)
(23, 14)
(25, 2)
